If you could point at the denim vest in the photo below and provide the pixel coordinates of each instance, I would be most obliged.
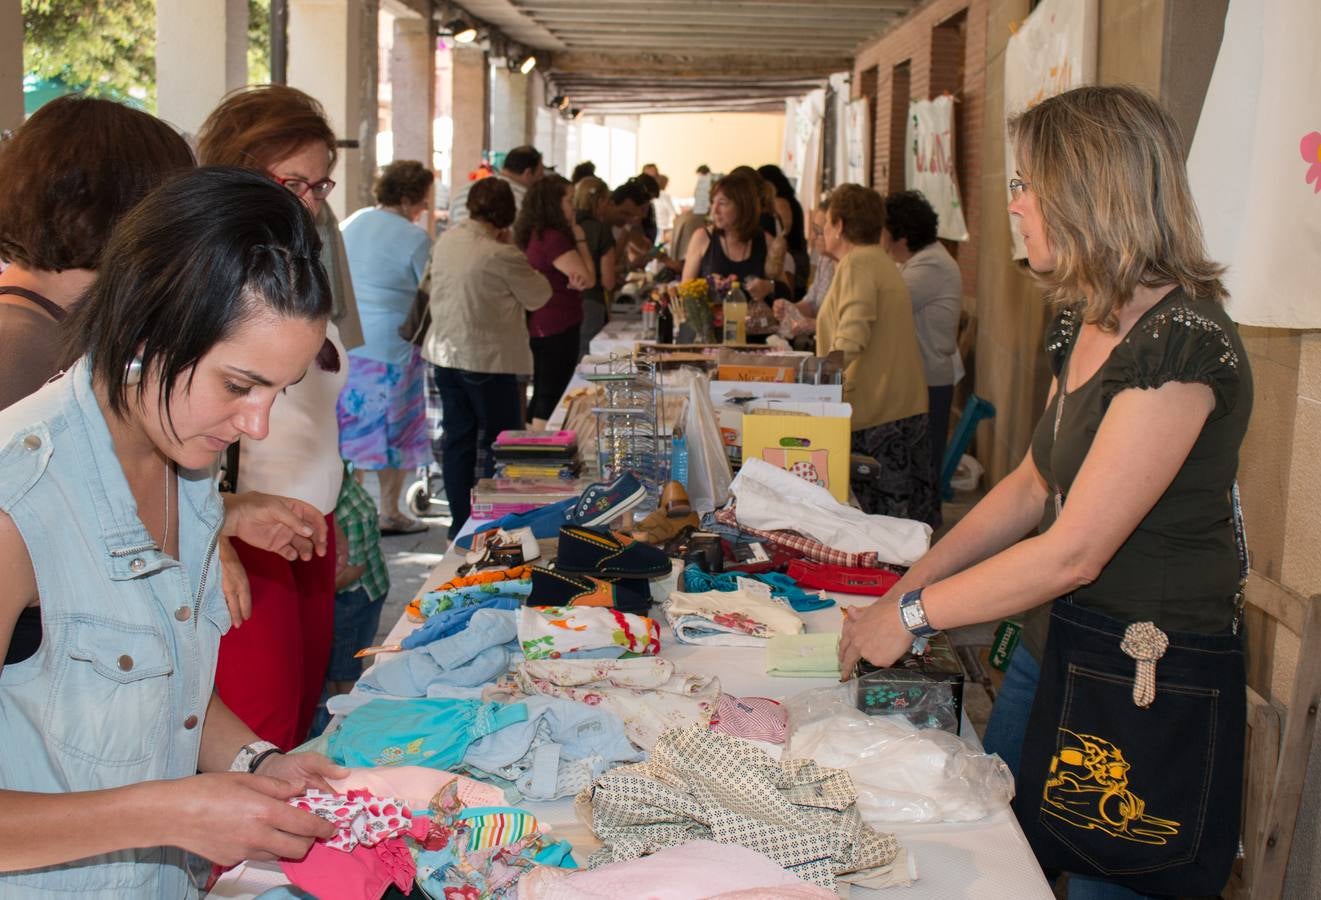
(117, 692)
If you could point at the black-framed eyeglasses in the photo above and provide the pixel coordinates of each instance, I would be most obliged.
(300, 186)
(1016, 187)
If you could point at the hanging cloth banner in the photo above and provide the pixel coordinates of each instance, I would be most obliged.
(929, 163)
(1255, 164)
(857, 134)
(1053, 51)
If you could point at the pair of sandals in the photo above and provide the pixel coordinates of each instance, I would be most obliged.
(394, 525)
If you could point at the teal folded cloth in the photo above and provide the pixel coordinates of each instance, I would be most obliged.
(695, 581)
(803, 655)
(426, 732)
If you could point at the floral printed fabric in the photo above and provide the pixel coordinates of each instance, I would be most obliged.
(360, 817)
(557, 632)
(739, 618)
(646, 692)
(702, 785)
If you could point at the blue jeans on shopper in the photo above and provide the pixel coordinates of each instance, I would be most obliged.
(476, 406)
(1004, 736)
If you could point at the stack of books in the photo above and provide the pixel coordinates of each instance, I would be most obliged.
(494, 498)
(537, 455)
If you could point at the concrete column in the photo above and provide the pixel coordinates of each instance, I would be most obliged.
(11, 64)
(508, 108)
(333, 57)
(413, 79)
(201, 53)
(468, 104)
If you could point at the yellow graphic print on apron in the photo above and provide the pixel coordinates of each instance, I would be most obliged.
(1088, 788)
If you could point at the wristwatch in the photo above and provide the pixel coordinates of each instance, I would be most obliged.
(250, 756)
(913, 616)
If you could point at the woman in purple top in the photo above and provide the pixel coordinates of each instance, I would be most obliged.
(557, 248)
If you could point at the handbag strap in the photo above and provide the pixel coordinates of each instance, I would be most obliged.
(50, 307)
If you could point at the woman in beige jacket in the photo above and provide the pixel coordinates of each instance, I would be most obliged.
(867, 319)
(482, 288)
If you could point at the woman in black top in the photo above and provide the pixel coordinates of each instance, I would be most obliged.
(735, 246)
(1155, 392)
(790, 213)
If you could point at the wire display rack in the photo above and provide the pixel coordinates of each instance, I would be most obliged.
(630, 432)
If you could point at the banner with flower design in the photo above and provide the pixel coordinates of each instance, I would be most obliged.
(1255, 164)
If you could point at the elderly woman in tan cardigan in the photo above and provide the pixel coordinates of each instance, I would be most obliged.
(867, 319)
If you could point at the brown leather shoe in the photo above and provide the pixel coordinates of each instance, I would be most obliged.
(658, 527)
(674, 501)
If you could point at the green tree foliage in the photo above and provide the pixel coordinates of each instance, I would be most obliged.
(108, 47)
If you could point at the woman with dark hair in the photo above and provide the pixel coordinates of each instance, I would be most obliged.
(592, 209)
(935, 287)
(1120, 520)
(735, 246)
(866, 318)
(208, 303)
(382, 409)
(482, 290)
(82, 163)
(271, 671)
(557, 247)
(789, 212)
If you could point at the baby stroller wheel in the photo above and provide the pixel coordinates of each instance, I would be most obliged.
(418, 499)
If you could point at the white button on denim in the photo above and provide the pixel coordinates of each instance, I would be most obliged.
(138, 564)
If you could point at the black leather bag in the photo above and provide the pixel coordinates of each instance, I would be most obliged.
(418, 322)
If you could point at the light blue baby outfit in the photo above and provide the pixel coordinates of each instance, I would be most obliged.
(118, 691)
(477, 655)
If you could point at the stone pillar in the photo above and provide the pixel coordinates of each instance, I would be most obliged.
(201, 54)
(468, 104)
(509, 92)
(332, 56)
(413, 78)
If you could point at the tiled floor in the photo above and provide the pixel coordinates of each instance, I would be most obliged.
(411, 557)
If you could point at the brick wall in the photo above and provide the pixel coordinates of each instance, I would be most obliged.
(943, 43)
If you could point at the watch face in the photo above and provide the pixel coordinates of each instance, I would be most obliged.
(911, 616)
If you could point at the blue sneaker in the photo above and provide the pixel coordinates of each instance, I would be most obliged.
(544, 521)
(604, 501)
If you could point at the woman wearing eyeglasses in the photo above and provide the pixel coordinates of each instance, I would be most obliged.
(272, 669)
(1119, 521)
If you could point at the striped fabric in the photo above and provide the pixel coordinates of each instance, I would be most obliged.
(497, 829)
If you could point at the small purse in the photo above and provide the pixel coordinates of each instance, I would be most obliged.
(418, 321)
(1132, 761)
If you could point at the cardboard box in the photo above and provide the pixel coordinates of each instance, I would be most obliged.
(812, 440)
(926, 689)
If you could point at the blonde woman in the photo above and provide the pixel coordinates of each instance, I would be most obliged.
(1122, 513)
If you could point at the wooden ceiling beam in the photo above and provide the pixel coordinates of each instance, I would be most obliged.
(649, 65)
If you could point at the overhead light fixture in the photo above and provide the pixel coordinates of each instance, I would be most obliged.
(461, 31)
(559, 101)
(527, 64)
(571, 114)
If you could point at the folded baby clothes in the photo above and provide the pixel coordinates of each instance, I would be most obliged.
(417, 785)
(362, 694)
(474, 595)
(365, 873)
(455, 619)
(782, 586)
(752, 718)
(703, 785)
(803, 655)
(740, 618)
(559, 750)
(478, 654)
(699, 868)
(434, 733)
(558, 632)
(645, 692)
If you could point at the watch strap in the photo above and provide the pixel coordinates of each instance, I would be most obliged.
(250, 756)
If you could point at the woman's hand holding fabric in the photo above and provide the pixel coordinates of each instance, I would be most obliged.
(283, 525)
(230, 817)
(234, 582)
(303, 770)
(874, 633)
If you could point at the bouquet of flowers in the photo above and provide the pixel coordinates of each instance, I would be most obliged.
(694, 308)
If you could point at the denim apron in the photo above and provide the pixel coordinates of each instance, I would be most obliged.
(118, 691)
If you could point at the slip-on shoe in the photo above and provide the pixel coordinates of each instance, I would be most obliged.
(551, 587)
(604, 554)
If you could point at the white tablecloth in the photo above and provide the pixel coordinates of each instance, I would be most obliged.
(988, 860)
